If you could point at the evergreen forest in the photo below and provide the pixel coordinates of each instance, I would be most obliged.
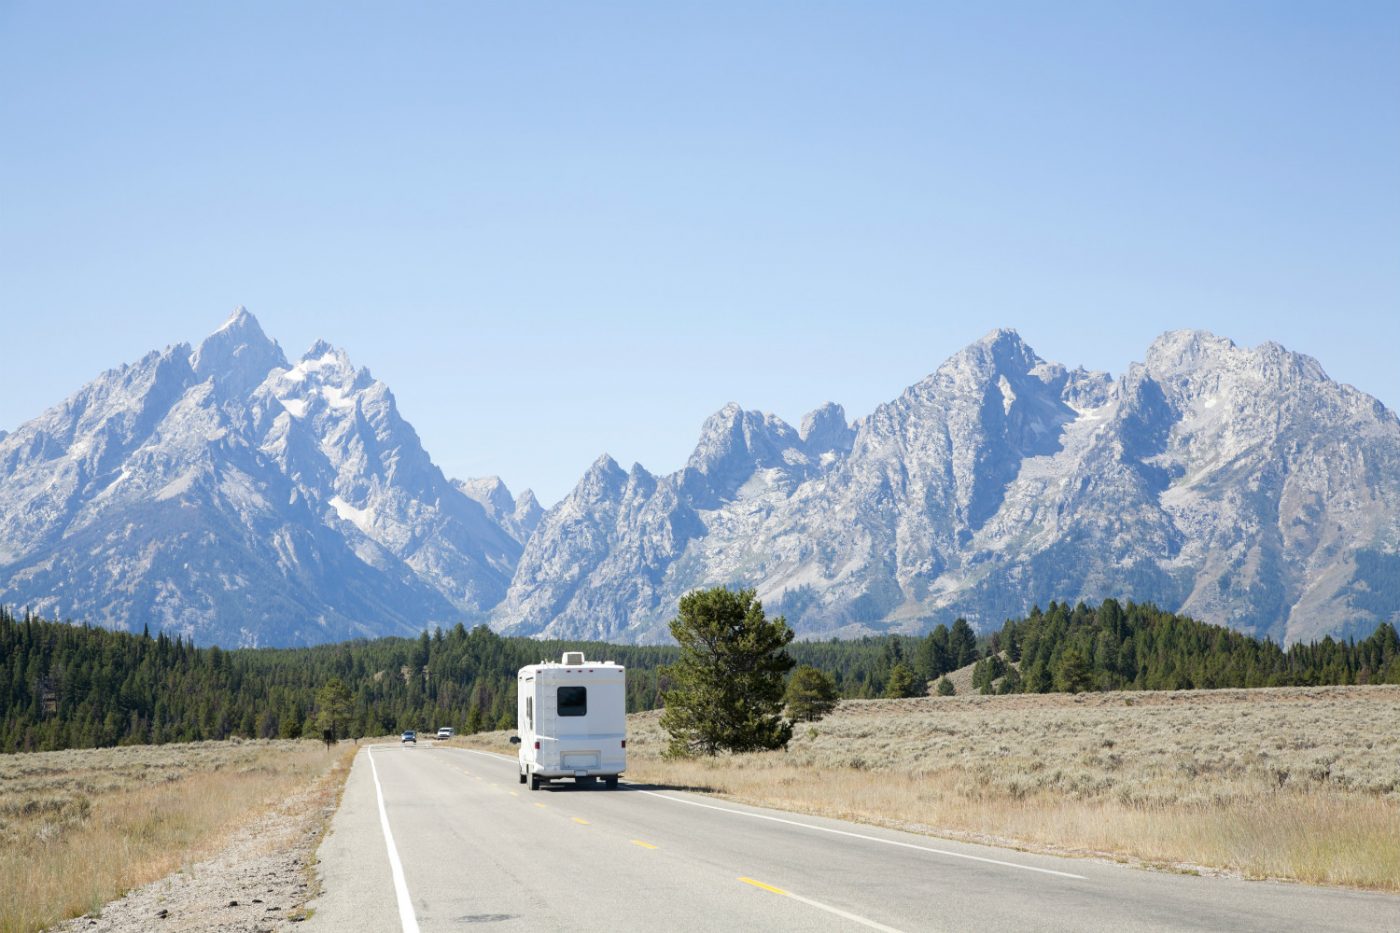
(74, 686)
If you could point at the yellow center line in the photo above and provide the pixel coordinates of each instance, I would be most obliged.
(766, 887)
(644, 845)
(514, 794)
(581, 820)
(540, 805)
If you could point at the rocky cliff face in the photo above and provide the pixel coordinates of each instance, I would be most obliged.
(1239, 485)
(518, 516)
(228, 494)
(225, 494)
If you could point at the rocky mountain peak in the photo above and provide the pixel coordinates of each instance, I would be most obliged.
(1238, 485)
(491, 492)
(224, 495)
(999, 358)
(528, 513)
(333, 362)
(1000, 351)
(1188, 350)
(733, 444)
(825, 430)
(237, 356)
(733, 434)
(604, 481)
(517, 515)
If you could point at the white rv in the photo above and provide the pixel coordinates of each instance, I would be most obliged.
(572, 719)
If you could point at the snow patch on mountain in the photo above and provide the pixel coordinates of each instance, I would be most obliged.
(225, 494)
(231, 495)
(1238, 484)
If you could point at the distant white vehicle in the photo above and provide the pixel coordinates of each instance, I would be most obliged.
(445, 733)
(572, 720)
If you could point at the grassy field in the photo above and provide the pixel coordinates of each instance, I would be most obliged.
(79, 828)
(1290, 783)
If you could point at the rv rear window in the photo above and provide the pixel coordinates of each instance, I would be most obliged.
(573, 701)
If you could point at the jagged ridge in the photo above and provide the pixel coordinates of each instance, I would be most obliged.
(225, 494)
(1241, 486)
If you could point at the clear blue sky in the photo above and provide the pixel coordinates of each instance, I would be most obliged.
(557, 230)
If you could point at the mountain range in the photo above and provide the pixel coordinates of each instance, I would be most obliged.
(230, 495)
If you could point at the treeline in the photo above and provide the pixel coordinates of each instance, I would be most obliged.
(74, 686)
(1111, 646)
(862, 667)
(1114, 646)
(67, 686)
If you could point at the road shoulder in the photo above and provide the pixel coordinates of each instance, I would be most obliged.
(356, 880)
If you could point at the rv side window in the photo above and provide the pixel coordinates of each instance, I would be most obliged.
(573, 701)
(530, 712)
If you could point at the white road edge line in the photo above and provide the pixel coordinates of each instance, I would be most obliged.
(854, 918)
(488, 754)
(888, 842)
(839, 832)
(406, 917)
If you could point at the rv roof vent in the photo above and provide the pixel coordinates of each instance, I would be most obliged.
(573, 657)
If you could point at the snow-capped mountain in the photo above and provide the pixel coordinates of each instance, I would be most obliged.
(229, 494)
(226, 494)
(1239, 485)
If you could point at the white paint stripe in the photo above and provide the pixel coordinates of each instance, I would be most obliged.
(888, 842)
(489, 754)
(854, 918)
(840, 832)
(406, 917)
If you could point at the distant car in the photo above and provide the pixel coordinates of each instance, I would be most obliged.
(445, 733)
(410, 736)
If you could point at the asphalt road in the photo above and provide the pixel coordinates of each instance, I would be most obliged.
(437, 838)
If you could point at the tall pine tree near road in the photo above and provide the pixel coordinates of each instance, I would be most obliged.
(727, 686)
(333, 709)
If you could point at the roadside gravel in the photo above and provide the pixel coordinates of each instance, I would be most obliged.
(257, 883)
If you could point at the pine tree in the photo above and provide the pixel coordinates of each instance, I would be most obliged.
(902, 683)
(1038, 679)
(932, 657)
(811, 694)
(962, 644)
(944, 687)
(333, 709)
(1072, 671)
(727, 686)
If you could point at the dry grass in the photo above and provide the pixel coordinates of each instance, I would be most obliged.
(80, 828)
(1291, 783)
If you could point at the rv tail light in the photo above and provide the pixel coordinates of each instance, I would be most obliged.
(537, 744)
(624, 743)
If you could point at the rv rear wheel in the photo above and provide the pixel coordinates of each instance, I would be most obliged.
(612, 781)
(522, 777)
(534, 782)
